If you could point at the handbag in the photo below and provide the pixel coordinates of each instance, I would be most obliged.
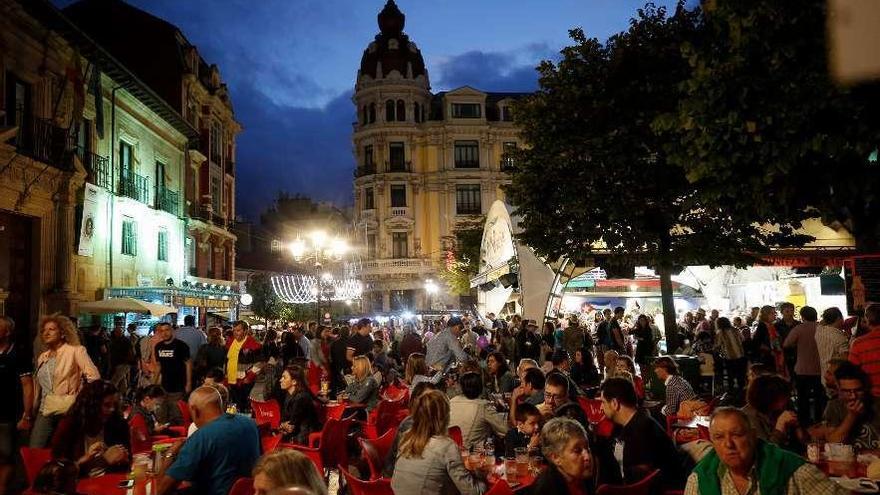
(57, 404)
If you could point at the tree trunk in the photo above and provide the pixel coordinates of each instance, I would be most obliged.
(664, 268)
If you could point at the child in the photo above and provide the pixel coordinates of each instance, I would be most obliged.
(527, 431)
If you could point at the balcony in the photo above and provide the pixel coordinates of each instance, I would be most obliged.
(368, 214)
(400, 211)
(218, 220)
(134, 186)
(398, 166)
(197, 212)
(365, 170)
(168, 200)
(97, 167)
(41, 140)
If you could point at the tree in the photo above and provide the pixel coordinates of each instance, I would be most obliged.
(266, 304)
(462, 262)
(594, 176)
(762, 127)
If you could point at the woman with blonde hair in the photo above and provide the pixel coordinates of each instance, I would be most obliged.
(286, 468)
(59, 373)
(364, 389)
(428, 460)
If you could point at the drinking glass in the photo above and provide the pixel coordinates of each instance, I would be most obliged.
(510, 470)
(522, 460)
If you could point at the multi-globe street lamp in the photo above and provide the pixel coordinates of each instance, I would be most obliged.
(431, 288)
(320, 249)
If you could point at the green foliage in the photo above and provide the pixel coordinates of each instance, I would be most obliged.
(266, 304)
(465, 241)
(763, 129)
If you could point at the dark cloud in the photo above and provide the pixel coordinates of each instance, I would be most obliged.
(492, 71)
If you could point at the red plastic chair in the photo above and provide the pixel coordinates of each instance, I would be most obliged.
(376, 451)
(381, 486)
(455, 434)
(184, 412)
(267, 412)
(592, 408)
(34, 460)
(500, 488)
(270, 442)
(395, 392)
(242, 486)
(643, 487)
(335, 411)
(384, 417)
(313, 375)
(314, 454)
(332, 441)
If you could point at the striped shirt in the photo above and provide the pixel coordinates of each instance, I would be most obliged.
(865, 352)
(831, 343)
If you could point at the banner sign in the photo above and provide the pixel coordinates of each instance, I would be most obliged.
(87, 230)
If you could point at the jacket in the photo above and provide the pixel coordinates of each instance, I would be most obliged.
(476, 420)
(72, 362)
(439, 470)
(552, 481)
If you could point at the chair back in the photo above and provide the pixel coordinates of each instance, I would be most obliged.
(314, 454)
(269, 442)
(34, 460)
(335, 411)
(376, 452)
(183, 407)
(242, 486)
(334, 442)
(455, 435)
(643, 487)
(267, 412)
(387, 414)
(395, 392)
(381, 486)
(592, 408)
(313, 375)
(500, 488)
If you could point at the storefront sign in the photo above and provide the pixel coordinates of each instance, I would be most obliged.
(87, 229)
(803, 261)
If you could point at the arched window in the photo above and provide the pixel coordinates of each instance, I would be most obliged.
(389, 111)
(417, 115)
(401, 111)
(364, 120)
(372, 113)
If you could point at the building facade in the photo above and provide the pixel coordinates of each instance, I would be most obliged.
(427, 164)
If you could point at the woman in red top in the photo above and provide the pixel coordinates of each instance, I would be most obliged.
(142, 421)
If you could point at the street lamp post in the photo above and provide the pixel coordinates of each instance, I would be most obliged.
(430, 289)
(319, 249)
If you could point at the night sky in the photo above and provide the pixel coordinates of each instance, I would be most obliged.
(291, 65)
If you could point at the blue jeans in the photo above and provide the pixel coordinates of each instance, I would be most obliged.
(41, 433)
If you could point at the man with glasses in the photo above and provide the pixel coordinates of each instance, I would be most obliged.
(852, 416)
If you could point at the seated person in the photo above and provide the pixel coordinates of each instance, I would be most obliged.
(583, 370)
(531, 391)
(557, 401)
(299, 413)
(403, 427)
(626, 363)
(142, 420)
(562, 364)
(224, 399)
(473, 415)
(214, 376)
(678, 389)
(639, 445)
(223, 449)
(742, 463)
(93, 433)
(767, 400)
(571, 469)
(829, 380)
(417, 371)
(428, 460)
(500, 378)
(285, 469)
(527, 432)
(610, 360)
(364, 389)
(56, 477)
(853, 416)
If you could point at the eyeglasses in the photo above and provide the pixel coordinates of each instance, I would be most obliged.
(553, 397)
(850, 391)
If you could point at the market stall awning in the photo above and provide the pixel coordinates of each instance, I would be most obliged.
(126, 305)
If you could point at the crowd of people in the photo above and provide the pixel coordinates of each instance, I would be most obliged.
(507, 386)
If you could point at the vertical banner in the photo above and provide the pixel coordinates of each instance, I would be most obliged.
(87, 230)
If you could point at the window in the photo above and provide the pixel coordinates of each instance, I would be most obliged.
(371, 245)
(372, 113)
(276, 246)
(368, 156)
(397, 156)
(401, 111)
(389, 111)
(417, 112)
(162, 251)
(369, 203)
(467, 199)
(18, 106)
(398, 245)
(126, 164)
(216, 142)
(129, 236)
(506, 115)
(507, 155)
(211, 255)
(466, 110)
(216, 194)
(84, 140)
(364, 118)
(225, 264)
(398, 196)
(467, 154)
(191, 256)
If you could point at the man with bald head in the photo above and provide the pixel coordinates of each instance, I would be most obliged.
(742, 463)
(225, 447)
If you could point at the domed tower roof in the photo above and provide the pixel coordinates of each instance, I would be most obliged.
(392, 49)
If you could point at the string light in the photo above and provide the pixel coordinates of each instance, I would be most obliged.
(303, 289)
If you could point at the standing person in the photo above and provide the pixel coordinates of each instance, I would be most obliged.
(831, 340)
(174, 365)
(573, 338)
(410, 344)
(300, 338)
(808, 371)
(360, 343)
(645, 345)
(729, 346)
(603, 339)
(528, 343)
(445, 349)
(767, 341)
(865, 350)
(339, 364)
(16, 380)
(193, 337)
(752, 318)
(97, 345)
(618, 341)
(319, 353)
(784, 325)
(121, 360)
(243, 361)
(60, 370)
(211, 355)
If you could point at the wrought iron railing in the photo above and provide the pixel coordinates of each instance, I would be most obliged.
(168, 200)
(97, 167)
(43, 141)
(134, 186)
